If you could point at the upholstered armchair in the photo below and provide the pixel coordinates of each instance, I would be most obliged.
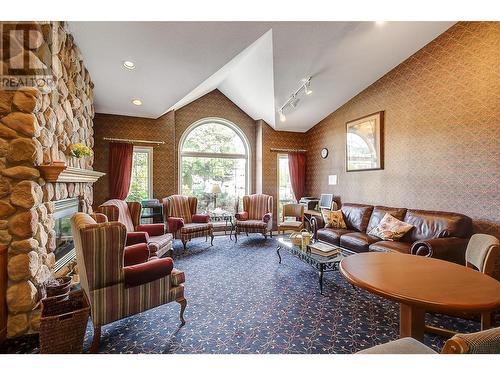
(256, 217)
(121, 281)
(129, 214)
(183, 221)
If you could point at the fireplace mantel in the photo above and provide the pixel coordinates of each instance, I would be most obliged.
(62, 173)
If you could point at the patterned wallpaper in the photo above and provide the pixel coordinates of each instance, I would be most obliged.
(442, 131)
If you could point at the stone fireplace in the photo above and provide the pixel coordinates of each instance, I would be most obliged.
(37, 126)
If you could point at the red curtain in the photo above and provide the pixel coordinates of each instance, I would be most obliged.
(120, 169)
(297, 169)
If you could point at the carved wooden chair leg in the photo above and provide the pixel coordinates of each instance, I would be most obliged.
(212, 240)
(184, 243)
(96, 340)
(182, 301)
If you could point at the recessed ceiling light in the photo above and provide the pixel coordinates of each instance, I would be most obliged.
(137, 102)
(380, 23)
(129, 65)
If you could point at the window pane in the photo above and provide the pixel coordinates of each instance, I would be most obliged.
(285, 192)
(199, 174)
(139, 186)
(214, 138)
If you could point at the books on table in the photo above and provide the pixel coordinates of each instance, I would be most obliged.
(323, 249)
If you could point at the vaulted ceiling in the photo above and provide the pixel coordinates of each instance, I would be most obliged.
(257, 65)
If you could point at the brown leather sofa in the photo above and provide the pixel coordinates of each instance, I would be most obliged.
(435, 234)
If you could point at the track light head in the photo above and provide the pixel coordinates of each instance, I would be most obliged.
(282, 116)
(294, 101)
(307, 88)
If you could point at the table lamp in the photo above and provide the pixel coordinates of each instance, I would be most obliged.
(215, 190)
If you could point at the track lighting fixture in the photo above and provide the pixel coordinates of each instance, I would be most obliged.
(294, 99)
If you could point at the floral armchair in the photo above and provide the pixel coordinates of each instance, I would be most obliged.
(129, 214)
(121, 280)
(183, 221)
(256, 217)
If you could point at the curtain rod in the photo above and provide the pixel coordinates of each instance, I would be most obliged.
(287, 150)
(133, 141)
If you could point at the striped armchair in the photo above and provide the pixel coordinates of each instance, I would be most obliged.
(129, 214)
(121, 281)
(257, 215)
(183, 221)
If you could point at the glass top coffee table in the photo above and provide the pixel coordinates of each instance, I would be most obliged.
(321, 263)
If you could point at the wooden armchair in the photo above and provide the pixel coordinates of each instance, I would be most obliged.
(297, 212)
(129, 214)
(121, 281)
(183, 221)
(256, 217)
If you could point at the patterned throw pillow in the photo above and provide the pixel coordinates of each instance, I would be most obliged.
(333, 219)
(390, 228)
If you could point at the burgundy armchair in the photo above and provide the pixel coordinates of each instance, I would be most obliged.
(256, 217)
(121, 280)
(183, 221)
(129, 214)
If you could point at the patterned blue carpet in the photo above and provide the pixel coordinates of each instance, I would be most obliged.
(241, 300)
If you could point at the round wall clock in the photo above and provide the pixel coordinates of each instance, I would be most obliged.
(324, 153)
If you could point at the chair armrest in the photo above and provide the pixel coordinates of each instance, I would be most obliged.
(482, 342)
(146, 272)
(448, 248)
(200, 218)
(152, 229)
(242, 216)
(99, 218)
(136, 237)
(174, 224)
(267, 217)
(135, 254)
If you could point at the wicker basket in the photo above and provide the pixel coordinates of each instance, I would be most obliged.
(298, 237)
(63, 323)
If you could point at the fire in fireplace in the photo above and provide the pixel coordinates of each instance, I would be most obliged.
(65, 249)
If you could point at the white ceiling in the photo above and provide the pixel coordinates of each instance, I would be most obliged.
(257, 65)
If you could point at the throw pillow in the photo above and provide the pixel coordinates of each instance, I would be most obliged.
(390, 228)
(333, 219)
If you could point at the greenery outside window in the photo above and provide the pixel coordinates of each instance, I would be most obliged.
(141, 184)
(214, 152)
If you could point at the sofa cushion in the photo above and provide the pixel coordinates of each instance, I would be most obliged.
(357, 216)
(390, 229)
(379, 213)
(332, 236)
(391, 246)
(436, 224)
(357, 241)
(333, 219)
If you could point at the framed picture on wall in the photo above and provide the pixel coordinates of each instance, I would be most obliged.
(365, 143)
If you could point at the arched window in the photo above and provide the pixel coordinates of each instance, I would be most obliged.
(214, 158)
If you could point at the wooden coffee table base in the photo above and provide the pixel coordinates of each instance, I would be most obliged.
(411, 321)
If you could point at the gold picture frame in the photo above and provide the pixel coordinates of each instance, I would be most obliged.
(365, 143)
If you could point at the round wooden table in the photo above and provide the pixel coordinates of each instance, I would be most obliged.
(423, 284)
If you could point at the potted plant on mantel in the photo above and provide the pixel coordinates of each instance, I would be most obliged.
(79, 151)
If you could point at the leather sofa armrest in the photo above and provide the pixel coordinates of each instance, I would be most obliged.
(152, 229)
(241, 216)
(316, 223)
(146, 272)
(174, 224)
(135, 254)
(136, 237)
(200, 218)
(449, 248)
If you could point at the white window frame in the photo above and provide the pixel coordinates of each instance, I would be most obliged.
(246, 156)
(148, 150)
